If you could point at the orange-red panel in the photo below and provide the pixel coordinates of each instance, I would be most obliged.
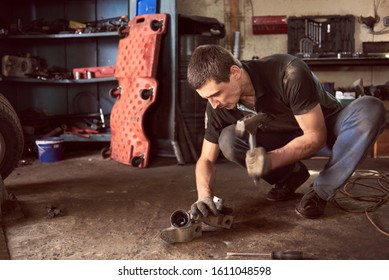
(136, 68)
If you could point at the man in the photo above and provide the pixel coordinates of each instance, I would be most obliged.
(303, 119)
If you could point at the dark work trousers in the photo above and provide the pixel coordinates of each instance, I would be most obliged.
(350, 134)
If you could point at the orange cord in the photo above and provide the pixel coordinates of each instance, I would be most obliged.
(379, 199)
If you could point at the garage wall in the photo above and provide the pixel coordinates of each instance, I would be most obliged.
(262, 45)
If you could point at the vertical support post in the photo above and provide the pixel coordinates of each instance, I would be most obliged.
(234, 22)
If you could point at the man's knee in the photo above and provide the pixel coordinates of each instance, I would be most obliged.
(370, 111)
(226, 141)
(373, 107)
(231, 145)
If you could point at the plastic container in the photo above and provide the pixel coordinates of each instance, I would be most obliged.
(345, 98)
(50, 149)
(146, 7)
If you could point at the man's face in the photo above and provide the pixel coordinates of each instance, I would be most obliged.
(222, 95)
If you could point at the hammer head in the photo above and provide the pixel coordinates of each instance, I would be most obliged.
(250, 123)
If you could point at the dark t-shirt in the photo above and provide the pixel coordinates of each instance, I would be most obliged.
(284, 87)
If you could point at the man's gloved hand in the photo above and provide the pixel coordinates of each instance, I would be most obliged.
(257, 162)
(202, 207)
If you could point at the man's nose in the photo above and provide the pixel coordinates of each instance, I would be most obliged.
(214, 103)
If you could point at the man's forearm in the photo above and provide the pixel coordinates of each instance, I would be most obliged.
(205, 175)
(297, 149)
(313, 139)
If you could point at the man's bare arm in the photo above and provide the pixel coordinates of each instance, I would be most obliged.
(313, 139)
(205, 169)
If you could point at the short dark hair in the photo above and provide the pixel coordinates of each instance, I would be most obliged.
(210, 62)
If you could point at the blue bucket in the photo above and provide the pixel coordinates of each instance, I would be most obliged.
(50, 149)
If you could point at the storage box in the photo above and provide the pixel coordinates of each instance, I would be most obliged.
(146, 7)
(375, 48)
(94, 72)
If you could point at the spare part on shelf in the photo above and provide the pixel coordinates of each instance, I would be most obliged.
(17, 66)
(136, 68)
(39, 26)
(199, 25)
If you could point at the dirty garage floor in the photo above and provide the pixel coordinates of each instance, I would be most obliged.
(113, 211)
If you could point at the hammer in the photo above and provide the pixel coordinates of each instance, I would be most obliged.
(250, 123)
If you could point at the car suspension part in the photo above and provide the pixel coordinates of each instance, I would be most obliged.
(185, 227)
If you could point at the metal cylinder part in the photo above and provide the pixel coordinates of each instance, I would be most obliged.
(89, 74)
(236, 44)
(180, 219)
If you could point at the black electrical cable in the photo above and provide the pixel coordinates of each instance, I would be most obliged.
(376, 8)
(371, 179)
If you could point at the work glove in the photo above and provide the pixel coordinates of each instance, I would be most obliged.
(202, 207)
(257, 162)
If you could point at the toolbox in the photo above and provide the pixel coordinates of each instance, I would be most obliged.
(321, 36)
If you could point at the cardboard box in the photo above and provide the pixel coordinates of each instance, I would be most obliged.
(381, 147)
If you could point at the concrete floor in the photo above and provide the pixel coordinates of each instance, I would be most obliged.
(113, 211)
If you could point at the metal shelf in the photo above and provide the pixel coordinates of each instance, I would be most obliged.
(66, 81)
(98, 137)
(61, 36)
(360, 61)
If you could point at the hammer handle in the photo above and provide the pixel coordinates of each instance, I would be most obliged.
(252, 144)
(252, 141)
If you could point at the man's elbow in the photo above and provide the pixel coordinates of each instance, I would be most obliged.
(205, 162)
(320, 140)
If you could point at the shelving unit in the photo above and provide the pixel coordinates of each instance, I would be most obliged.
(67, 97)
(58, 99)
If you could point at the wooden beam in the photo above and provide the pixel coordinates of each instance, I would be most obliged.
(234, 22)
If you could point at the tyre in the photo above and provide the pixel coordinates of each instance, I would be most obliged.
(11, 138)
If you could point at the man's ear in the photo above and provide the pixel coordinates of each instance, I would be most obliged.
(235, 72)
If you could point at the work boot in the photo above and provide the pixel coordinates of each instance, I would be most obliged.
(285, 190)
(311, 206)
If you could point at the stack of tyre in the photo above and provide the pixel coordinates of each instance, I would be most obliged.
(11, 138)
